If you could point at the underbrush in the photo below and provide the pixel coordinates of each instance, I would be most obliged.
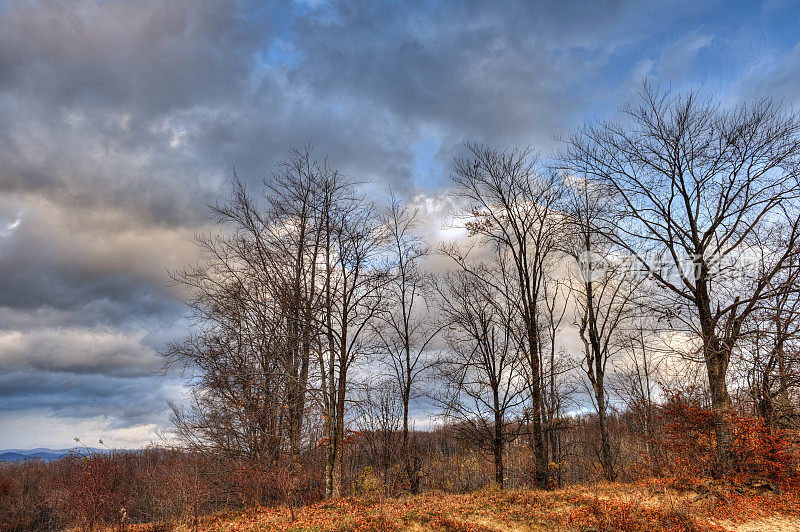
(127, 487)
(151, 486)
(758, 450)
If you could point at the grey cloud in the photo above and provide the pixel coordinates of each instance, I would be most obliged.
(119, 120)
(128, 400)
(78, 351)
(47, 263)
(150, 55)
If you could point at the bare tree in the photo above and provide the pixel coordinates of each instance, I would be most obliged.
(481, 373)
(406, 328)
(638, 374)
(353, 287)
(293, 233)
(555, 366)
(699, 189)
(379, 411)
(511, 205)
(250, 297)
(291, 281)
(604, 295)
(771, 355)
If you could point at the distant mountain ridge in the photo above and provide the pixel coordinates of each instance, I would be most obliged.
(43, 453)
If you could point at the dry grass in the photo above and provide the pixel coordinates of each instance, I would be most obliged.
(653, 505)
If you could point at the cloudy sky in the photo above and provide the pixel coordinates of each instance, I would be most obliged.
(120, 119)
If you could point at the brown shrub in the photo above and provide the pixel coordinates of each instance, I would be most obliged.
(145, 486)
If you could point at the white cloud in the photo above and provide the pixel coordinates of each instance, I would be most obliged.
(28, 429)
(676, 61)
(10, 227)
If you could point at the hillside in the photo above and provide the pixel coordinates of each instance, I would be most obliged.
(651, 506)
(43, 453)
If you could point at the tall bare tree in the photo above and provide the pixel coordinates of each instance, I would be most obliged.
(293, 233)
(604, 293)
(511, 204)
(254, 297)
(481, 373)
(354, 281)
(556, 389)
(771, 355)
(701, 188)
(406, 329)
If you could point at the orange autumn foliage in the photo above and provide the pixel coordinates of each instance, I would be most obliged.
(759, 451)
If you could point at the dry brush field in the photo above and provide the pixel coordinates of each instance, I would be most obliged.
(656, 505)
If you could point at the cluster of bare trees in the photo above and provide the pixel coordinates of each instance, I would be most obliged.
(713, 194)
(647, 247)
(285, 299)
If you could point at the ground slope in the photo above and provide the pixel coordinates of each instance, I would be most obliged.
(652, 506)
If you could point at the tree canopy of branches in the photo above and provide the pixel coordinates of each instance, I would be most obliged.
(702, 192)
(511, 205)
(673, 230)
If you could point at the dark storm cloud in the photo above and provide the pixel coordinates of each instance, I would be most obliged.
(44, 264)
(151, 55)
(127, 400)
(82, 350)
(146, 105)
(119, 119)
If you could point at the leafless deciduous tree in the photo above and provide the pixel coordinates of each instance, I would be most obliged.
(556, 367)
(702, 189)
(604, 293)
(283, 301)
(254, 299)
(353, 288)
(511, 205)
(771, 354)
(293, 237)
(480, 376)
(406, 328)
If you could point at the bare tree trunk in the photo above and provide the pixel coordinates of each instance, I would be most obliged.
(331, 443)
(716, 365)
(497, 441)
(717, 355)
(539, 450)
(606, 457)
(497, 448)
(597, 377)
(338, 466)
(412, 470)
